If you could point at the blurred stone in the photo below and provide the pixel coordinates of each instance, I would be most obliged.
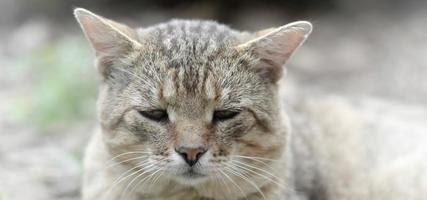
(370, 54)
(8, 14)
(28, 37)
(258, 18)
(45, 172)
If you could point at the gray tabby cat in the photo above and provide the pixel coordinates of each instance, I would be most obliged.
(190, 110)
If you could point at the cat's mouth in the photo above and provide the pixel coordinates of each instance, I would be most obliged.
(192, 174)
(191, 177)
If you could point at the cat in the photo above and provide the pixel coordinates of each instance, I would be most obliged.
(188, 110)
(194, 110)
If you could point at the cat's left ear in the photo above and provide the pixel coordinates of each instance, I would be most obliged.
(274, 47)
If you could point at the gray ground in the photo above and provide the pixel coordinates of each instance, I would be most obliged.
(366, 55)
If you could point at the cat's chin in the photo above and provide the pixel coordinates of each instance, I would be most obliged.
(191, 178)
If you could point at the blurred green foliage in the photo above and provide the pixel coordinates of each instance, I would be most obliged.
(63, 87)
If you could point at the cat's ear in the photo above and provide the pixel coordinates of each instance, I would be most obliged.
(109, 39)
(274, 46)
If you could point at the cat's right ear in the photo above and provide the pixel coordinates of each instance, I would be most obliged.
(109, 39)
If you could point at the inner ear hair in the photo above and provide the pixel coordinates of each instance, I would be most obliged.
(110, 40)
(274, 46)
(104, 33)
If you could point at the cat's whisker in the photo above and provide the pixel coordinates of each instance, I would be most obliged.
(248, 167)
(276, 180)
(157, 177)
(264, 162)
(219, 178)
(126, 153)
(254, 157)
(124, 161)
(147, 178)
(235, 171)
(142, 167)
(254, 167)
(234, 183)
(141, 173)
(148, 171)
(221, 183)
(123, 176)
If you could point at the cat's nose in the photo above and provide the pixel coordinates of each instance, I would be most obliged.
(191, 155)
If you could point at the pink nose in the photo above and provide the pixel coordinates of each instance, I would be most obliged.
(191, 155)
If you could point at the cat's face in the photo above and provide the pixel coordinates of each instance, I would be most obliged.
(188, 99)
(191, 119)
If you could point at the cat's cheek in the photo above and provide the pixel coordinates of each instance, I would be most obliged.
(238, 127)
(141, 128)
(243, 136)
(119, 137)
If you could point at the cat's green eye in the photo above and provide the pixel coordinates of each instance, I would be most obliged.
(222, 115)
(155, 115)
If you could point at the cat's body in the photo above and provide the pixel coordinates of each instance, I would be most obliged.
(190, 110)
(358, 149)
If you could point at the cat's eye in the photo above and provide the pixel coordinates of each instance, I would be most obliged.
(222, 115)
(155, 115)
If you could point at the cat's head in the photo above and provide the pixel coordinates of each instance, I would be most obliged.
(191, 98)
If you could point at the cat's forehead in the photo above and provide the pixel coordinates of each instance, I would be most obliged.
(194, 81)
(202, 80)
(196, 62)
(179, 37)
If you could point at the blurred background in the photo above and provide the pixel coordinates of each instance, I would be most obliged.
(358, 49)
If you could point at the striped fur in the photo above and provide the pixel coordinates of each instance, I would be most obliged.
(190, 69)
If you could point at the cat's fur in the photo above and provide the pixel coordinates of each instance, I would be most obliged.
(191, 69)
